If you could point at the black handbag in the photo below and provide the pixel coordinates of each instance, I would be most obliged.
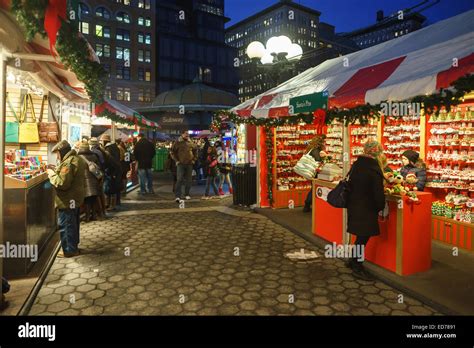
(338, 197)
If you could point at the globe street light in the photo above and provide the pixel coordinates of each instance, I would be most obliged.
(277, 49)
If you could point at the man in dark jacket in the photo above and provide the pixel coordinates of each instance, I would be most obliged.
(185, 154)
(68, 181)
(113, 172)
(365, 201)
(144, 152)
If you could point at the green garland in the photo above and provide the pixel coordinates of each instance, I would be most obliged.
(269, 152)
(115, 118)
(362, 114)
(445, 98)
(72, 48)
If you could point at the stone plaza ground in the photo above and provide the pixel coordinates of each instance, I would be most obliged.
(209, 258)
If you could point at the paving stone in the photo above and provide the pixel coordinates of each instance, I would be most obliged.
(184, 257)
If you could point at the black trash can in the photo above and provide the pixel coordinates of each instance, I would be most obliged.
(244, 182)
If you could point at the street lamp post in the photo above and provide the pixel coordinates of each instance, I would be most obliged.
(278, 57)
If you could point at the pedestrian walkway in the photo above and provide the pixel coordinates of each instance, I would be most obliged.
(205, 259)
(448, 285)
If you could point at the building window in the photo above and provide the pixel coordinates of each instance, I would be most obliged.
(123, 17)
(140, 37)
(107, 69)
(101, 31)
(99, 50)
(123, 73)
(141, 74)
(84, 27)
(122, 34)
(148, 39)
(122, 53)
(147, 97)
(108, 93)
(141, 21)
(141, 96)
(206, 75)
(126, 94)
(148, 22)
(140, 55)
(119, 95)
(102, 12)
(148, 76)
(147, 4)
(83, 9)
(147, 57)
(141, 3)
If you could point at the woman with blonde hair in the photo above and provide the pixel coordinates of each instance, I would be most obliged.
(364, 202)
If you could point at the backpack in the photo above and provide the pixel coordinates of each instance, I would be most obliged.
(94, 168)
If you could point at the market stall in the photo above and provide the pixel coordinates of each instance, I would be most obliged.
(390, 92)
(36, 87)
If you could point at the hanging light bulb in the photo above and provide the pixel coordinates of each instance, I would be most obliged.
(267, 58)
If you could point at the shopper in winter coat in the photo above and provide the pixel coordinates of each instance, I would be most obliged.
(144, 152)
(101, 204)
(92, 183)
(412, 163)
(185, 154)
(68, 179)
(113, 171)
(365, 200)
(212, 171)
(314, 148)
(225, 167)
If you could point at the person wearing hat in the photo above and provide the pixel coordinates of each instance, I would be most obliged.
(365, 200)
(68, 179)
(144, 152)
(113, 171)
(91, 185)
(95, 148)
(412, 163)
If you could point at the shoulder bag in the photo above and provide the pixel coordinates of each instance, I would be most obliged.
(338, 196)
(12, 128)
(94, 168)
(28, 132)
(306, 166)
(48, 131)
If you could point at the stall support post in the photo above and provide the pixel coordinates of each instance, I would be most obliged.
(258, 166)
(112, 133)
(346, 163)
(3, 87)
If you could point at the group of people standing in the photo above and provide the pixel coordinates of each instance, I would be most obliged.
(93, 174)
(212, 160)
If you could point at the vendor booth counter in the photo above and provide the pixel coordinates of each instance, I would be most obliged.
(30, 218)
(404, 243)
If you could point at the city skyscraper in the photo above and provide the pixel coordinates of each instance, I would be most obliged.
(122, 32)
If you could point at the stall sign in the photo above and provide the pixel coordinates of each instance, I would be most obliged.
(309, 102)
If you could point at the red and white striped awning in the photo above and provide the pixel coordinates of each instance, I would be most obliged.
(124, 112)
(53, 75)
(419, 63)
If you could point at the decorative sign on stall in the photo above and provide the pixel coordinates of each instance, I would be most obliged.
(309, 102)
(322, 193)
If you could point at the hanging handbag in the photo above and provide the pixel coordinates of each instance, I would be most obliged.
(12, 128)
(306, 166)
(48, 131)
(28, 133)
(338, 197)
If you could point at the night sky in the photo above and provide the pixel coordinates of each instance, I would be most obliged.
(348, 15)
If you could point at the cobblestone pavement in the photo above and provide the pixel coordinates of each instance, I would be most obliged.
(202, 261)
